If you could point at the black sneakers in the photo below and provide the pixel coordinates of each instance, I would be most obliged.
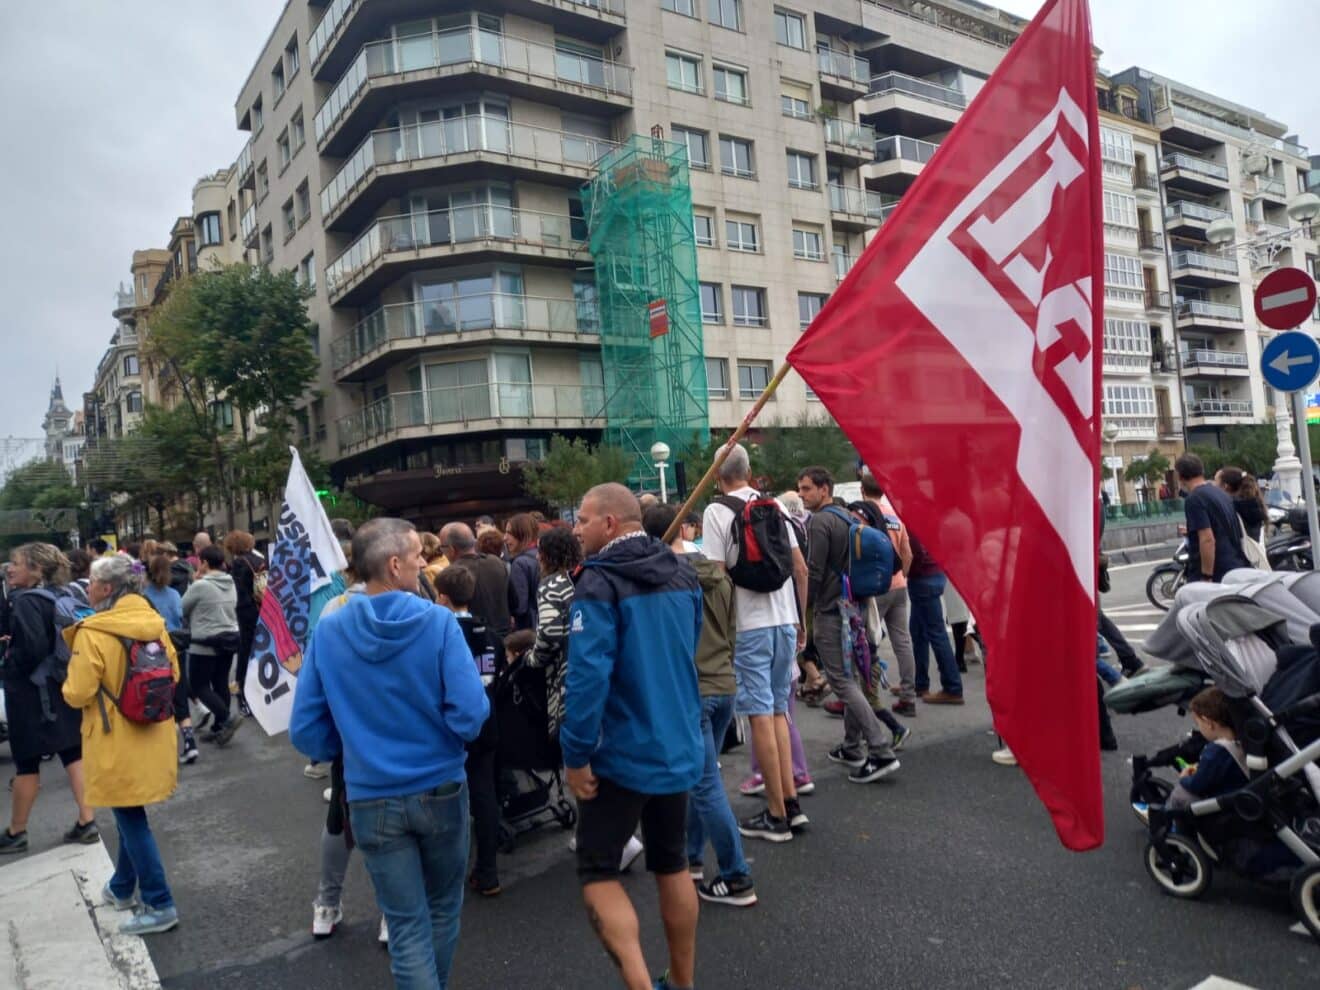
(10, 843)
(737, 892)
(766, 826)
(873, 768)
(84, 833)
(796, 818)
(840, 755)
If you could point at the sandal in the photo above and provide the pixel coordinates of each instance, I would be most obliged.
(812, 695)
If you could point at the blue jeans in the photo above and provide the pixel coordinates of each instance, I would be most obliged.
(138, 866)
(709, 814)
(927, 626)
(416, 849)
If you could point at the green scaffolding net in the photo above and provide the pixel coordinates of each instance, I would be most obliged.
(639, 209)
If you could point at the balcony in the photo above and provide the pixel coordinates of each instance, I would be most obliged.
(842, 76)
(1198, 268)
(1156, 300)
(1174, 115)
(854, 208)
(1272, 189)
(1194, 174)
(1186, 217)
(906, 102)
(1170, 427)
(391, 161)
(401, 329)
(849, 141)
(1218, 412)
(421, 65)
(403, 243)
(1146, 182)
(1208, 315)
(248, 225)
(243, 167)
(1151, 240)
(899, 160)
(1215, 364)
(471, 408)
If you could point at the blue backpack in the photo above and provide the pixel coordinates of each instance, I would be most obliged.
(871, 558)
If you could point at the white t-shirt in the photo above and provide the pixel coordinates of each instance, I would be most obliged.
(756, 609)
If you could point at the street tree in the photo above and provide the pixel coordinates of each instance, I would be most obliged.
(570, 467)
(1147, 472)
(39, 500)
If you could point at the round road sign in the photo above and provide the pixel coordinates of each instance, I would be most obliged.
(1290, 361)
(1284, 299)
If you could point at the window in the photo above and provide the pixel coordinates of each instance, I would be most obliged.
(801, 170)
(289, 219)
(730, 85)
(794, 106)
(753, 377)
(304, 197)
(683, 72)
(698, 146)
(577, 219)
(748, 306)
(263, 182)
(717, 378)
(1115, 146)
(703, 228)
(807, 244)
(790, 29)
(267, 245)
(318, 419)
(740, 235)
(1129, 400)
(307, 271)
(712, 306)
(688, 8)
(809, 306)
(258, 117)
(133, 402)
(736, 157)
(130, 364)
(725, 13)
(1120, 209)
(1123, 272)
(277, 80)
(291, 56)
(286, 150)
(222, 414)
(1128, 337)
(314, 338)
(208, 229)
(297, 132)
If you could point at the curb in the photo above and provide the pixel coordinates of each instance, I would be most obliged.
(1143, 554)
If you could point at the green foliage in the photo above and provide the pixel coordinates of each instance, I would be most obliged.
(1252, 448)
(339, 504)
(39, 500)
(784, 450)
(1147, 471)
(571, 467)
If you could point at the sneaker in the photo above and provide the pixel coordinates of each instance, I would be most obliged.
(484, 889)
(316, 771)
(324, 920)
(226, 732)
(944, 698)
(631, 851)
(325, 794)
(796, 818)
(752, 786)
(840, 755)
(148, 921)
(243, 708)
(907, 709)
(766, 826)
(737, 892)
(900, 738)
(833, 707)
(1004, 757)
(118, 903)
(383, 936)
(11, 843)
(202, 722)
(190, 753)
(697, 871)
(83, 833)
(1142, 811)
(803, 783)
(873, 769)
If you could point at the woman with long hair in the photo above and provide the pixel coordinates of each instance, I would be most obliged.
(558, 556)
(1247, 500)
(245, 566)
(520, 540)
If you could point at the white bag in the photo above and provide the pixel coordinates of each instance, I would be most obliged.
(1254, 550)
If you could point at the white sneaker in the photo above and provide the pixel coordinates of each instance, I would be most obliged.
(316, 771)
(384, 937)
(325, 794)
(324, 920)
(631, 851)
(1004, 757)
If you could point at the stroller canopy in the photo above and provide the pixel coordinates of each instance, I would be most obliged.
(1233, 641)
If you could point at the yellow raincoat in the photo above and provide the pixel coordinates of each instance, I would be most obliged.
(132, 764)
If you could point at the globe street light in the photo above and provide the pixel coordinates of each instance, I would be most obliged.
(660, 457)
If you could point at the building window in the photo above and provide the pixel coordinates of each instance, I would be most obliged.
(267, 245)
(712, 306)
(717, 378)
(794, 106)
(297, 131)
(1116, 146)
(1123, 272)
(222, 413)
(809, 307)
(1120, 210)
(318, 419)
(130, 364)
(578, 228)
(307, 271)
(748, 306)
(688, 8)
(736, 157)
(285, 149)
(208, 229)
(790, 29)
(753, 377)
(801, 170)
(703, 228)
(289, 219)
(291, 56)
(730, 85)
(740, 235)
(698, 146)
(1129, 400)
(277, 80)
(807, 245)
(314, 337)
(263, 182)
(258, 117)
(133, 402)
(304, 198)
(725, 13)
(1128, 337)
(683, 72)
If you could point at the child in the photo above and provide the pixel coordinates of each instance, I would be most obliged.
(454, 587)
(1220, 768)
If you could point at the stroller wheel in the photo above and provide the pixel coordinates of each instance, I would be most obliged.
(1306, 897)
(566, 815)
(1180, 868)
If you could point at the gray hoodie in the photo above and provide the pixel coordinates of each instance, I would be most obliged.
(208, 610)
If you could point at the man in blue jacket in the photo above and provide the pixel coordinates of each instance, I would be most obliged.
(389, 684)
(631, 734)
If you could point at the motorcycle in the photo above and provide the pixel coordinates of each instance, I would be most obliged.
(1167, 579)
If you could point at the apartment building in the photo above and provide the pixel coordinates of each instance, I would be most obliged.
(113, 407)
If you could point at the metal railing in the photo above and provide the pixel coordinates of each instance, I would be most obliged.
(1127, 361)
(965, 24)
(335, 12)
(1220, 407)
(1274, 187)
(1245, 133)
(1150, 240)
(1203, 307)
(247, 224)
(857, 201)
(1189, 163)
(1170, 427)
(1213, 359)
(844, 66)
(850, 134)
(906, 148)
(1146, 180)
(458, 225)
(1206, 262)
(1266, 229)
(439, 139)
(468, 45)
(1193, 211)
(899, 82)
(1156, 299)
(243, 167)
(468, 403)
(462, 314)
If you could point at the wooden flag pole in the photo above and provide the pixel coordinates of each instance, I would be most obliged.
(695, 495)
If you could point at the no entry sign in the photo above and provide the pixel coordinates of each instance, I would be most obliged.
(1285, 299)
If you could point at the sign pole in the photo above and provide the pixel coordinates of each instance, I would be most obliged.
(1308, 475)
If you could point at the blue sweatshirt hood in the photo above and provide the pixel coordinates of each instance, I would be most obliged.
(641, 559)
(377, 627)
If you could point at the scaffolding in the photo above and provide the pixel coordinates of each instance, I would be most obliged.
(639, 209)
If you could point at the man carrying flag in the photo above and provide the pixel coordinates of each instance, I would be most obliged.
(987, 279)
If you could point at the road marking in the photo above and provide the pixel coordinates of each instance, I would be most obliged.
(1213, 982)
(1140, 627)
(1127, 610)
(1128, 567)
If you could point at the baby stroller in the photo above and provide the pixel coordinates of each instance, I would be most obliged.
(530, 786)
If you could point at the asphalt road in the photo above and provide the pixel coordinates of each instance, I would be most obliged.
(946, 876)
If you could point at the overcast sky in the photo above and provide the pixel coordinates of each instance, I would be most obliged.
(111, 111)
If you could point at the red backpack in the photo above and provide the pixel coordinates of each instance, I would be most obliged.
(147, 693)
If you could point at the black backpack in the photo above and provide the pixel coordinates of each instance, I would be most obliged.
(759, 532)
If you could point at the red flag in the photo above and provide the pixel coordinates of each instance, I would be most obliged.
(959, 357)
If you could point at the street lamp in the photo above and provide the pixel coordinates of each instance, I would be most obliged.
(660, 457)
(1110, 433)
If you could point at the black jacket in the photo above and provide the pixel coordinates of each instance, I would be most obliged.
(491, 600)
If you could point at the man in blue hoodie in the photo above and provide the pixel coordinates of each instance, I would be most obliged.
(389, 684)
(631, 734)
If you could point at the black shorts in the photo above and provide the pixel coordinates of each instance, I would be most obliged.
(607, 822)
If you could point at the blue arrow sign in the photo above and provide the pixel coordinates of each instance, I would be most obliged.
(1290, 362)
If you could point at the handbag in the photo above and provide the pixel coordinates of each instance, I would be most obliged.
(1253, 550)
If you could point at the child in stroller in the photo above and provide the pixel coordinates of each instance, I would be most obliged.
(1221, 765)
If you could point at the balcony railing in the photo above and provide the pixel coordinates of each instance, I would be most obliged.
(1203, 307)
(247, 224)
(440, 139)
(1246, 134)
(1214, 359)
(1150, 240)
(469, 45)
(1188, 163)
(462, 314)
(1220, 407)
(335, 12)
(844, 66)
(849, 134)
(1186, 210)
(1156, 299)
(1206, 262)
(1127, 361)
(1271, 186)
(1264, 228)
(898, 82)
(843, 263)
(906, 148)
(859, 202)
(467, 403)
(243, 167)
(1146, 180)
(458, 225)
